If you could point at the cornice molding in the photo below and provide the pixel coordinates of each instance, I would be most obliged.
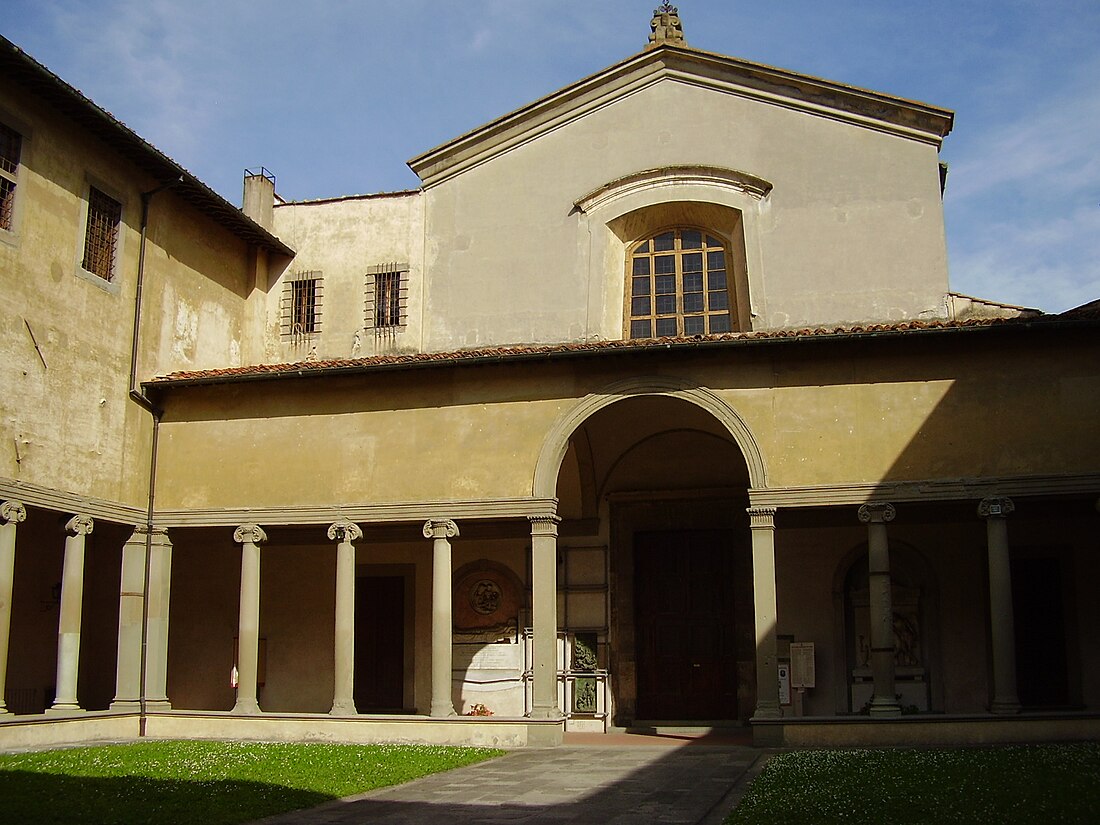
(947, 489)
(836, 101)
(412, 511)
(37, 495)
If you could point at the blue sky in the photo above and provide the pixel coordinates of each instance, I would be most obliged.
(335, 96)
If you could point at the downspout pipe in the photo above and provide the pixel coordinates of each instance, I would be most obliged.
(139, 396)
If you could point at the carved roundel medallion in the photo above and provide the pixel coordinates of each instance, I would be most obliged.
(485, 597)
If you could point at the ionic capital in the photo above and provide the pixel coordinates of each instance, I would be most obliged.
(544, 525)
(13, 511)
(345, 530)
(440, 528)
(761, 517)
(80, 525)
(878, 512)
(995, 507)
(249, 534)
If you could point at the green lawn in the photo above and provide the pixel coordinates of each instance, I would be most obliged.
(1034, 784)
(212, 783)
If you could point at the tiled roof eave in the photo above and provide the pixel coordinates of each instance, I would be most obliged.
(516, 354)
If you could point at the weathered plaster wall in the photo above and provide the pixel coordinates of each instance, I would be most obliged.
(852, 230)
(340, 239)
(65, 420)
(841, 414)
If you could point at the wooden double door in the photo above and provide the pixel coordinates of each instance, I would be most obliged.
(684, 625)
(379, 644)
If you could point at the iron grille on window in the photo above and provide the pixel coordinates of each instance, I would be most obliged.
(301, 306)
(101, 234)
(387, 294)
(11, 147)
(678, 285)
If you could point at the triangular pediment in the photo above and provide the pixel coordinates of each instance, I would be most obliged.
(680, 64)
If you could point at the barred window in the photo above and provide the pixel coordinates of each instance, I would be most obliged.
(678, 284)
(101, 234)
(387, 294)
(301, 305)
(11, 147)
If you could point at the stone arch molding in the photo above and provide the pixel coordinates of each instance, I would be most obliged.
(557, 440)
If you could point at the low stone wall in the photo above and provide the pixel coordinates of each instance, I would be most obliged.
(38, 732)
(920, 732)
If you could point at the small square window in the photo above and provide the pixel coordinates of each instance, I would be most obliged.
(101, 234)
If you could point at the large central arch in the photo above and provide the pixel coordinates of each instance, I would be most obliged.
(557, 440)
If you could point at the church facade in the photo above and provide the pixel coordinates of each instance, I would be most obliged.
(651, 406)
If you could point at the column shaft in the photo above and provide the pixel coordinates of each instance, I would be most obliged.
(762, 522)
(131, 607)
(68, 628)
(343, 701)
(11, 513)
(156, 639)
(248, 634)
(1002, 621)
(544, 617)
(440, 530)
(884, 700)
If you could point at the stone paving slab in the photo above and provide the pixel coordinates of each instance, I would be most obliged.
(570, 784)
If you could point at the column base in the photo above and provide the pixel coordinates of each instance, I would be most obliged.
(551, 713)
(442, 710)
(1004, 708)
(65, 709)
(126, 705)
(246, 707)
(343, 709)
(885, 710)
(157, 706)
(767, 710)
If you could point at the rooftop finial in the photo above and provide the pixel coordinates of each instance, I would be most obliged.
(666, 26)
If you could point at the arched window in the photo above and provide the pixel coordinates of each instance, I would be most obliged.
(679, 285)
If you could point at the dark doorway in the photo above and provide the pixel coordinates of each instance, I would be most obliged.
(379, 643)
(1039, 617)
(684, 622)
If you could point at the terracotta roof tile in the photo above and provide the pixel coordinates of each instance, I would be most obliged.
(316, 367)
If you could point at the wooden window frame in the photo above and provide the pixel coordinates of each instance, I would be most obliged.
(693, 306)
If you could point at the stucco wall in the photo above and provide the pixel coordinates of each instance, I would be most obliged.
(65, 421)
(852, 230)
(842, 414)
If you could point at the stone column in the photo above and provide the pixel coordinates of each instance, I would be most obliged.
(762, 523)
(68, 628)
(995, 512)
(884, 701)
(441, 530)
(544, 616)
(131, 609)
(11, 513)
(346, 532)
(156, 628)
(250, 537)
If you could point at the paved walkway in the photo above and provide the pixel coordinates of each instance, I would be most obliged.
(624, 779)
